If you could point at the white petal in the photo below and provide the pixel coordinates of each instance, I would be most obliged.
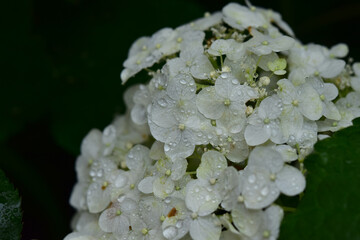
(290, 181)
(258, 190)
(163, 187)
(289, 154)
(212, 165)
(266, 157)
(227, 235)
(331, 111)
(256, 135)
(146, 185)
(109, 221)
(138, 157)
(209, 103)
(178, 168)
(78, 196)
(274, 216)
(331, 68)
(200, 198)
(79, 236)
(139, 114)
(282, 43)
(355, 83)
(205, 228)
(182, 86)
(97, 197)
(247, 221)
(90, 146)
(239, 150)
(339, 50)
(291, 121)
(310, 105)
(220, 47)
(356, 68)
(330, 91)
(201, 68)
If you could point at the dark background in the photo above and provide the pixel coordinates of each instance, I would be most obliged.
(59, 77)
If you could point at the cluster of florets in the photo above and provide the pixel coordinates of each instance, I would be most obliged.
(233, 105)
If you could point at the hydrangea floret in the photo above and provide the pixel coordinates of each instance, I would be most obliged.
(218, 132)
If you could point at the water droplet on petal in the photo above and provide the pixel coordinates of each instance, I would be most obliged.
(166, 148)
(162, 102)
(252, 178)
(264, 191)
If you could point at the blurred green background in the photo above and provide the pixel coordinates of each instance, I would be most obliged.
(60, 63)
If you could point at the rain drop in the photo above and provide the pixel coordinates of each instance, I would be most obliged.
(252, 178)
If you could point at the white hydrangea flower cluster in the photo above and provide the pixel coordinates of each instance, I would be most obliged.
(233, 105)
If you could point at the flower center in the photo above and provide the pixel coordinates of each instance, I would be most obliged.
(144, 231)
(227, 102)
(194, 215)
(182, 126)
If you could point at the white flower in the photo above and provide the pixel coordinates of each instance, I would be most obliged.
(232, 188)
(116, 218)
(99, 194)
(146, 51)
(161, 183)
(264, 123)
(191, 61)
(232, 145)
(262, 44)
(305, 137)
(177, 221)
(225, 102)
(349, 108)
(229, 47)
(327, 92)
(174, 119)
(202, 201)
(315, 60)
(270, 224)
(266, 176)
(298, 101)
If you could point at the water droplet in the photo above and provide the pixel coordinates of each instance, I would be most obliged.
(179, 224)
(264, 191)
(162, 102)
(235, 81)
(100, 173)
(252, 178)
(166, 148)
(121, 181)
(182, 81)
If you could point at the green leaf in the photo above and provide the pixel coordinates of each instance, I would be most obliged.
(10, 212)
(330, 208)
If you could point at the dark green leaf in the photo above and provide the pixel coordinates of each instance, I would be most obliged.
(330, 207)
(10, 212)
